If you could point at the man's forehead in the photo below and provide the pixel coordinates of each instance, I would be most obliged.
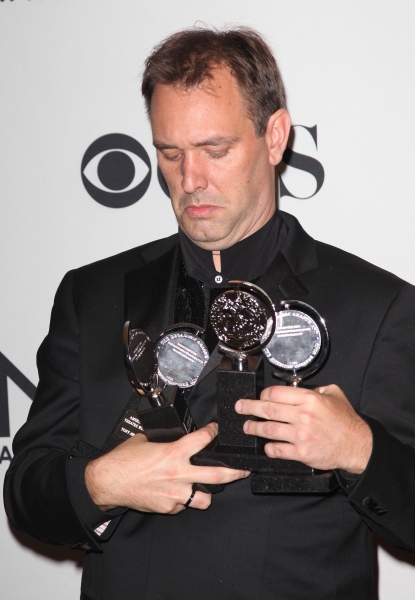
(220, 84)
(213, 110)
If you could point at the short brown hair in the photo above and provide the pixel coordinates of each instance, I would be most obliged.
(186, 58)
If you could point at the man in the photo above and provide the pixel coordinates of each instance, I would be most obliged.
(217, 111)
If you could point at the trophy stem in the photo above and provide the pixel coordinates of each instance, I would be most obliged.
(294, 380)
(240, 362)
(156, 399)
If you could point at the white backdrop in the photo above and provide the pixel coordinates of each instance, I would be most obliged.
(70, 74)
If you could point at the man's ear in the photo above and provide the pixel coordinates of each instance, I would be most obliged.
(278, 130)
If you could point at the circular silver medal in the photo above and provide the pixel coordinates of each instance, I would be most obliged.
(296, 341)
(238, 319)
(181, 357)
(142, 358)
(300, 344)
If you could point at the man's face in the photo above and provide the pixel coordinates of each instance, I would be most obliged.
(219, 174)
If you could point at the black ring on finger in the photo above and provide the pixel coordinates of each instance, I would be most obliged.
(192, 495)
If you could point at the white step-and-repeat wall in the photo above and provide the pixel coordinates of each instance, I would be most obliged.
(70, 94)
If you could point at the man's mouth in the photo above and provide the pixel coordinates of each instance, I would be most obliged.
(201, 210)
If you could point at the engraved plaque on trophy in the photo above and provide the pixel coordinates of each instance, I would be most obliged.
(156, 371)
(300, 344)
(295, 341)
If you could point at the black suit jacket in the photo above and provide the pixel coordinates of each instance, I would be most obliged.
(243, 546)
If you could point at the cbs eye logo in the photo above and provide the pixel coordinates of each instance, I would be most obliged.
(116, 170)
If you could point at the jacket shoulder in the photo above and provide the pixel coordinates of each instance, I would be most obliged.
(344, 269)
(129, 259)
(101, 277)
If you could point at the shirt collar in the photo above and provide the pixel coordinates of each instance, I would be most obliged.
(245, 260)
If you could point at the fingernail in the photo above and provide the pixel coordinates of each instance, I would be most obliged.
(247, 473)
(238, 406)
(246, 426)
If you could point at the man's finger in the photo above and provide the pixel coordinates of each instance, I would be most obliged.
(270, 430)
(271, 411)
(197, 440)
(331, 390)
(285, 394)
(200, 501)
(282, 450)
(216, 475)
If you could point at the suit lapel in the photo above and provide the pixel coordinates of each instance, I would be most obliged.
(150, 292)
(280, 282)
(298, 247)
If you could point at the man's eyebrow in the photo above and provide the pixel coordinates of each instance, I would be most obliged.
(214, 141)
(217, 141)
(161, 146)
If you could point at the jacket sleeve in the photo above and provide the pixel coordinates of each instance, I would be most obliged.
(384, 494)
(42, 498)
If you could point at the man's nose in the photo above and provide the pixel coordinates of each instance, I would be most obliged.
(193, 175)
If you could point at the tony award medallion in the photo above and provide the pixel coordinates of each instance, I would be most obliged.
(181, 355)
(300, 344)
(239, 318)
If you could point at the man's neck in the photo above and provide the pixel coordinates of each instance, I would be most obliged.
(245, 260)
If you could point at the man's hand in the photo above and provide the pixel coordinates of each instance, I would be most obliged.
(155, 477)
(319, 428)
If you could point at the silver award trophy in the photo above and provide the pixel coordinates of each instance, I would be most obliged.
(244, 320)
(295, 341)
(298, 348)
(157, 370)
(239, 318)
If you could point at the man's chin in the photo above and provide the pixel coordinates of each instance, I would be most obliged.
(205, 239)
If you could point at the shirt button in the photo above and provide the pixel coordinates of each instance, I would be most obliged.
(218, 279)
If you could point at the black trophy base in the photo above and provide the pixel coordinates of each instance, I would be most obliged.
(269, 475)
(320, 482)
(169, 422)
(162, 424)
